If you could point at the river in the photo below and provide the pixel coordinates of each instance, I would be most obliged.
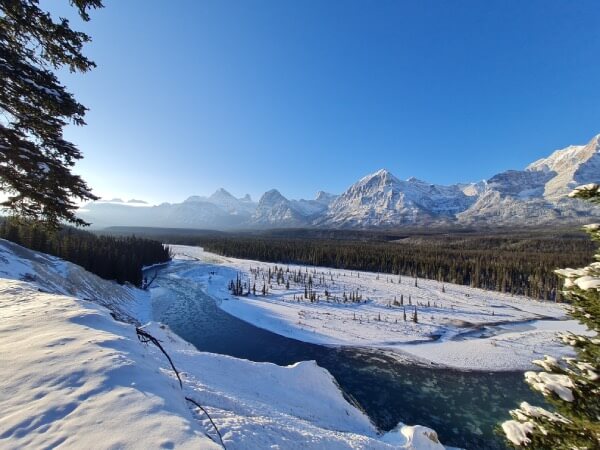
(463, 407)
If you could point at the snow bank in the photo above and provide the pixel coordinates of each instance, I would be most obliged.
(514, 330)
(57, 276)
(73, 376)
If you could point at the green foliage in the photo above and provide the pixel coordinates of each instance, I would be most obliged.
(112, 258)
(35, 159)
(570, 385)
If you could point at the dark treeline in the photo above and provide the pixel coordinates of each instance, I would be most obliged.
(518, 263)
(112, 258)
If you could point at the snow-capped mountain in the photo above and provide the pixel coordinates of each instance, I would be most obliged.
(275, 210)
(538, 194)
(382, 199)
(570, 167)
(533, 196)
(325, 198)
(227, 202)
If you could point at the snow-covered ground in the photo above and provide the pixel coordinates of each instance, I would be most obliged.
(58, 276)
(457, 326)
(74, 377)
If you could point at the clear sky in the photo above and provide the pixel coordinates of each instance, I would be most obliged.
(304, 95)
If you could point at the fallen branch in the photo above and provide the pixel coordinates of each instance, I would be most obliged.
(209, 418)
(146, 337)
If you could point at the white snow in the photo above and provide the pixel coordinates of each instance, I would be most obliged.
(519, 329)
(57, 276)
(546, 383)
(72, 376)
(587, 283)
(516, 432)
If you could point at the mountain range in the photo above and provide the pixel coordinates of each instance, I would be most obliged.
(534, 196)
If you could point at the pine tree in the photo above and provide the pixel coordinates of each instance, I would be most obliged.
(35, 159)
(571, 385)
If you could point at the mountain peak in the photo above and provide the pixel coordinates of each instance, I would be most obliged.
(195, 198)
(221, 193)
(271, 196)
(382, 176)
(415, 180)
(381, 173)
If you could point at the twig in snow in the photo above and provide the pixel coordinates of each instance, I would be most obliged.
(209, 418)
(145, 337)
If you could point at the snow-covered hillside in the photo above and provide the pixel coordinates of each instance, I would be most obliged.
(56, 276)
(533, 196)
(456, 326)
(72, 376)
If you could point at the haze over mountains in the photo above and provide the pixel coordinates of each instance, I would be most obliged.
(533, 196)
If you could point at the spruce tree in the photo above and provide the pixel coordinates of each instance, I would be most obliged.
(35, 159)
(571, 385)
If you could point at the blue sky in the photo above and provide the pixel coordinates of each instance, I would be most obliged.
(189, 96)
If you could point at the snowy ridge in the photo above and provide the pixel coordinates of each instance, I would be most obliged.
(572, 166)
(56, 276)
(533, 196)
(74, 377)
(382, 199)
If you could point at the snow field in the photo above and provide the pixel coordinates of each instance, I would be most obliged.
(456, 326)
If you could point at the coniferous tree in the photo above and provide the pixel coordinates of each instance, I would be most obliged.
(571, 385)
(35, 159)
(120, 259)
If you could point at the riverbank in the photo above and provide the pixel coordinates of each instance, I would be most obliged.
(517, 329)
